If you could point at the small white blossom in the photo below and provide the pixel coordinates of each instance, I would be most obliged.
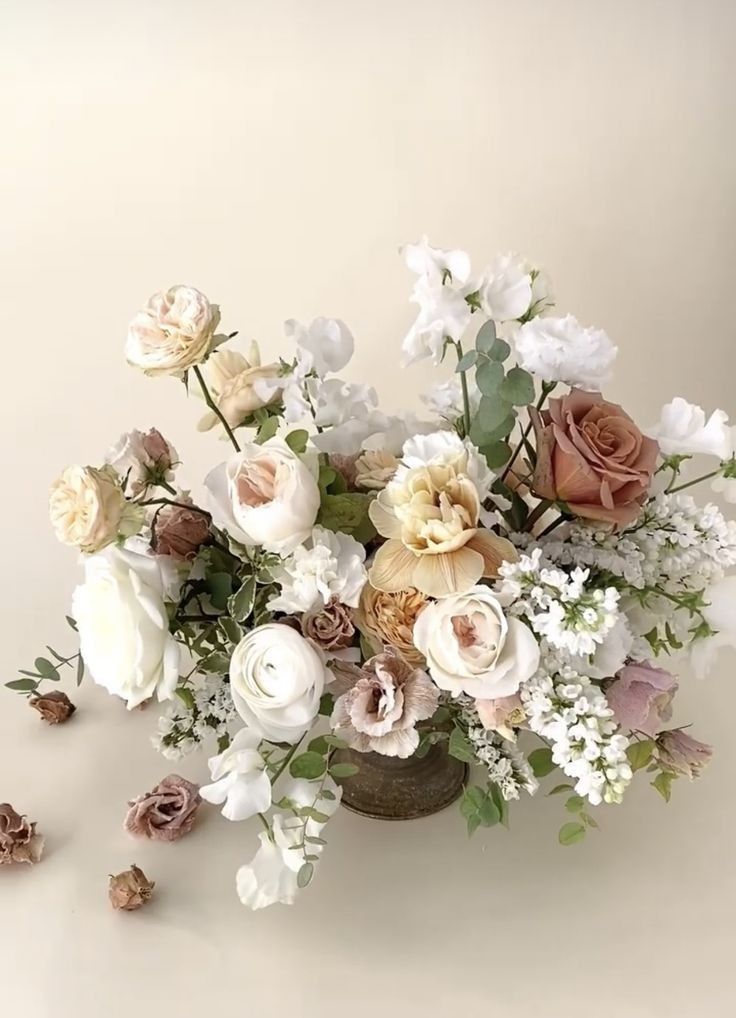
(183, 728)
(506, 765)
(337, 401)
(330, 565)
(562, 350)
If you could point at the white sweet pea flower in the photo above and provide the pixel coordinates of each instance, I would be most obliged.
(720, 614)
(446, 399)
(239, 778)
(329, 566)
(375, 432)
(505, 289)
(562, 350)
(682, 430)
(337, 401)
(725, 486)
(326, 345)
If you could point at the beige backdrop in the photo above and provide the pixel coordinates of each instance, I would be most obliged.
(275, 155)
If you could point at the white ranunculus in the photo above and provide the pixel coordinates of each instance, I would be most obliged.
(562, 350)
(239, 778)
(123, 626)
(88, 510)
(505, 288)
(472, 647)
(276, 680)
(682, 430)
(265, 495)
(326, 345)
(174, 331)
(329, 566)
(720, 614)
(231, 380)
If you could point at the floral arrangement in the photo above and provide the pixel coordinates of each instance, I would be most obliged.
(513, 578)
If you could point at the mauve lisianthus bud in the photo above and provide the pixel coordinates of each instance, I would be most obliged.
(179, 532)
(55, 707)
(681, 754)
(19, 841)
(641, 697)
(130, 889)
(167, 812)
(329, 626)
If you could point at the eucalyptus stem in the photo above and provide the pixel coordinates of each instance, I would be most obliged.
(547, 388)
(214, 407)
(464, 387)
(689, 484)
(285, 762)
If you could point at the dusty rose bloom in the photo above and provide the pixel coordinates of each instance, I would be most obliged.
(19, 841)
(385, 700)
(592, 456)
(130, 889)
(501, 715)
(387, 618)
(167, 812)
(330, 627)
(55, 707)
(179, 532)
(681, 754)
(641, 697)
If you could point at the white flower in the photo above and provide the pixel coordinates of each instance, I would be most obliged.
(326, 345)
(440, 293)
(337, 402)
(231, 380)
(276, 679)
(725, 486)
(375, 431)
(720, 614)
(331, 566)
(446, 449)
(561, 350)
(174, 331)
(610, 655)
(265, 495)
(373, 470)
(88, 510)
(472, 647)
(446, 399)
(239, 778)
(289, 388)
(123, 626)
(142, 460)
(505, 288)
(682, 430)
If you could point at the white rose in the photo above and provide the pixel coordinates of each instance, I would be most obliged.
(326, 345)
(239, 778)
(173, 332)
(265, 495)
(682, 430)
(276, 680)
(505, 290)
(562, 350)
(123, 626)
(88, 509)
(472, 647)
(234, 381)
(331, 567)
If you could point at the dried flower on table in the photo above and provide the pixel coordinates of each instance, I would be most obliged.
(167, 812)
(55, 707)
(19, 841)
(130, 889)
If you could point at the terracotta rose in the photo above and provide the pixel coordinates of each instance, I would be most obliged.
(592, 456)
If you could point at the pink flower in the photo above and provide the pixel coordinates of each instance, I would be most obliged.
(681, 754)
(641, 697)
(501, 715)
(167, 812)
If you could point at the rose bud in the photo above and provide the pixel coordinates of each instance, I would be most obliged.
(130, 890)
(19, 841)
(179, 532)
(55, 707)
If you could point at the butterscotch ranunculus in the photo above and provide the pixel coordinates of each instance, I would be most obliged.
(430, 513)
(231, 379)
(173, 332)
(88, 509)
(387, 619)
(592, 456)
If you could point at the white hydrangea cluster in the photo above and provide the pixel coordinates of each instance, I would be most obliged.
(506, 765)
(182, 728)
(573, 715)
(560, 608)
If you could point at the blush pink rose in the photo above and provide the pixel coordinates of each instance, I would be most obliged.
(641, 697)
(592, 456)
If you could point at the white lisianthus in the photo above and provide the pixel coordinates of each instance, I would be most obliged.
(271, 876)
(276, 680)
(265, 495)
(505, 289)
(440, 292)
(682, 430)
(239, 778)
(472, 647)
(326, 345)
(562, 350)
(174, 331)
(231, 380)
(330, 566)
(88, 510)
(720, 614)
(123, 625)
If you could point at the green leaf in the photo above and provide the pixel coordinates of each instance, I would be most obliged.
(314, 814)
(344, 770)
(640, 753)
(233, 632)
(215, 663)
(499, 351)
(488, 377)
(541, 763)
(297, 440)
(327, 794)
(560, 788)
(267, 430)
(571, 833)
(347, 514)
(326, 704)
(80, 669)
(492, 412)
(45, 668)
(460, 747)
(486, 337)
(518, 387)
(326, 476)
(240, 605)
(71, 622)
(308, 765)
(311, 840)
(186, 696)
(496, 454)
(466, 361)
(22, 685)
(318, 745)
(478, 808)
(335, 742)
(305, 874)
(501, 804)
(219, 587)
(575, 804)
(588, 819)
(663, 784)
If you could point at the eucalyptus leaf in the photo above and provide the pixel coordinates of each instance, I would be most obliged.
(305, 874)
(344, 770)
(460, 747)
(500, 350)
(486, 337)
(496, 454)
(45, 668)
(571, 833)
(517, 387)
(466, 361)
(308, 765)
(22, 685)
(489, 376)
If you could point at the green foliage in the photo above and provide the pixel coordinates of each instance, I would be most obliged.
(347, 513)
(219, 586)
(663, 784)
(240, 605)
(46, 670)
(326, 705)
(308, 765)
(571, 833)
(541, 763)
(640, 753)
(479, 808)
(305, 874)
(343, 770)
(517, 387)
(496, 454)
(486, 337)
(460, 746)
(297, 441)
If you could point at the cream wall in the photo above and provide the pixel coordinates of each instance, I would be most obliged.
(275, 155)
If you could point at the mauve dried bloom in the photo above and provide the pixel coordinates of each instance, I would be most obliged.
(344, 465)
(55, 707)
(329, 626)
(167, 812)
(681, 754)
(179, 532)
(19, 841)
(130, 889)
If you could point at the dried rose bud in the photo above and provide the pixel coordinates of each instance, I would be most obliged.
(19, 841)
(130, 890)
(55, 708)
(330, 626)
(167, 812)
(179, 532)
(158, 451)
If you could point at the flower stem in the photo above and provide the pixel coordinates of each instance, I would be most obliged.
(689, 484)
(547, 388)
(214, 407)
(178, 505)
(285, 762)
(464, 387)
(537, 513)
(552, 526)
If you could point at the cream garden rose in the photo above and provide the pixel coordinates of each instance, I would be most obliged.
(123, 626)
(232, 382)
(276, 680)
(173, 332)
(265, 495)
(472, 647)
(88, 509)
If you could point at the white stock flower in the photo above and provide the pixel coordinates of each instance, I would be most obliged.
(682, 430)
(562, 350)
(447, 449)
(231, 380)
(440, 293)
(472, 647)
(276, 679)
(505, 289)
(326, 345)
(239, 778)
(173, 332)
(123, 625)
(329, 567)
(265, 495)
(88, 510)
